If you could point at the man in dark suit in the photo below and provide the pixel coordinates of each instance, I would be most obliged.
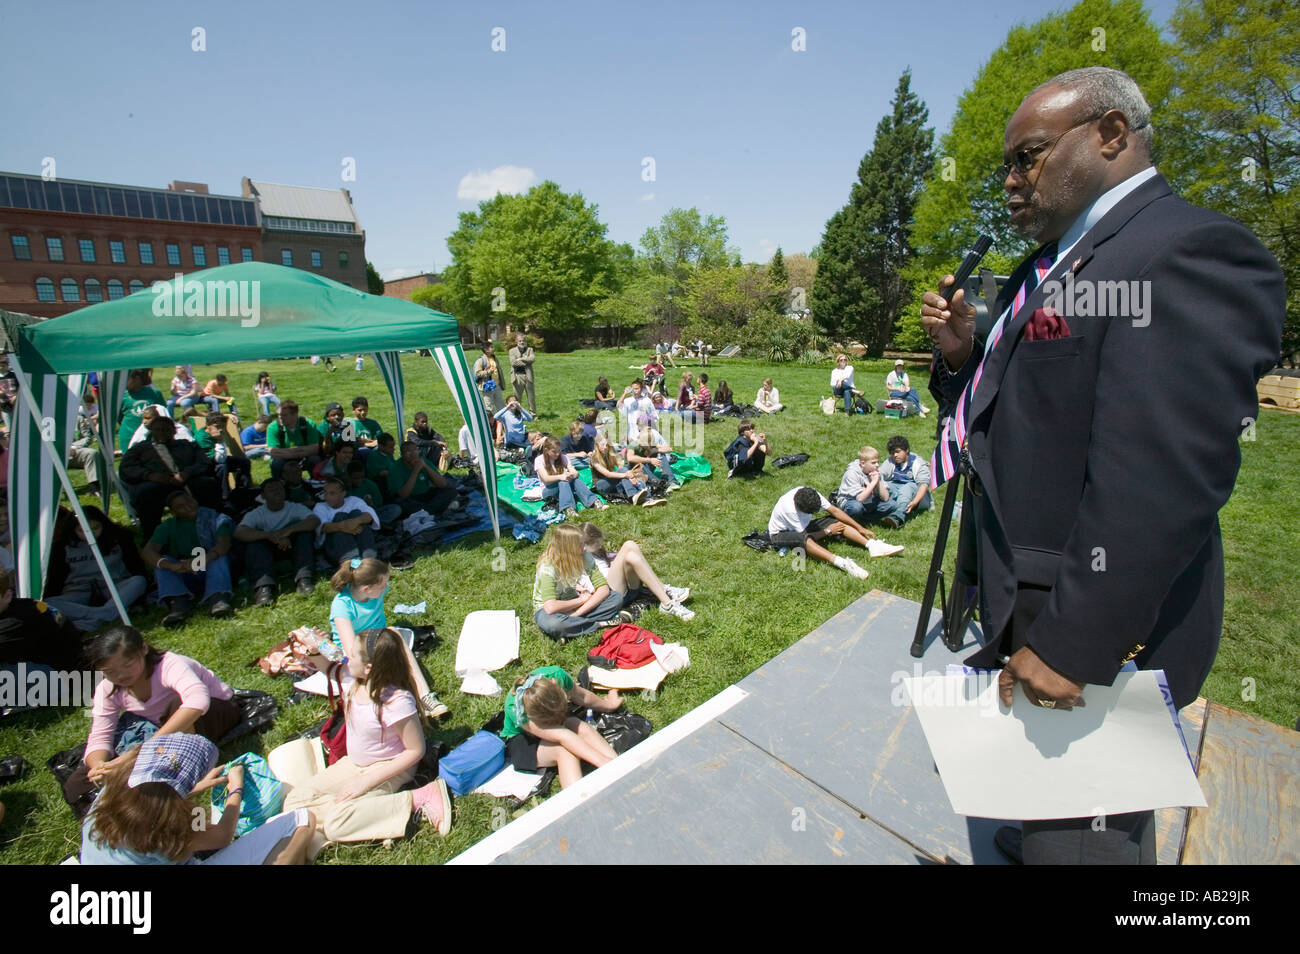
(1099, 420)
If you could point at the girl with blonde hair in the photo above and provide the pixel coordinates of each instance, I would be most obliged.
(570, 594)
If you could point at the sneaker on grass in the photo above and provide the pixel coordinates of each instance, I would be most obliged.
(434, 706)
(678, 594)
(674, 608)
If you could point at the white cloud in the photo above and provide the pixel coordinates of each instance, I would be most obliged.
(647, 197)
(767, 247)
(406, 271)
(479, 185)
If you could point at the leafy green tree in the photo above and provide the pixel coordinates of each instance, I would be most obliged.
(721, 302)
(860, 289)
(435, 296)
(963, 195)
(1231, 138)
(539, 259)
(374, 284)
(643, 299)
(683, 241)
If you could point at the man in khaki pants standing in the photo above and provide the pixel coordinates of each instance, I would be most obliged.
(521, 372)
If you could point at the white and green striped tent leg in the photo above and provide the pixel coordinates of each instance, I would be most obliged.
(41, 431)
(455, 369)
(112, 387)
(390, 366)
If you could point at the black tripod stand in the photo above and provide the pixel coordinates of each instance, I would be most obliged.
(959, 604)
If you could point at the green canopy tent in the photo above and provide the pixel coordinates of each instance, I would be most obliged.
(249, 311)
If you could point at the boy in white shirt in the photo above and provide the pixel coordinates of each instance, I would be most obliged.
(347, 525)
(794, 524)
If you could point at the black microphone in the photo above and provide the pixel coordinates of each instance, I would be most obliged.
(969, 264)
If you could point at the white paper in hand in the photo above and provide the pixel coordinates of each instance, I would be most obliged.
(1119, 753)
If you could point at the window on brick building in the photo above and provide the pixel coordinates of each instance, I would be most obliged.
(136, 285)
(114, 289)
(94, 292)
(22, 248)
(87, 249)
(200, 256)
(117, 252)
(223, 255)
(146, 252)
(54, 248)
(343, 259)
(315, 259)
(286, 257)
(173, 254)
(45, 290)
(70, 290)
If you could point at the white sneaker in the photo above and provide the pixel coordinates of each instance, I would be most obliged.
(678, 594)
(855, 571)
(638, 498)
(675, 608)
(654, 501)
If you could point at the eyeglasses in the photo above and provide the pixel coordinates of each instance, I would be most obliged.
(1024, 160)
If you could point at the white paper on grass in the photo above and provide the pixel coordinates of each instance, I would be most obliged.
(407, 608)
(489, 640)
(316, 684)
(1119, 753)
(508, 783)
(479, 683)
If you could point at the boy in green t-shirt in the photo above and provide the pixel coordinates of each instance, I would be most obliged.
(292, 437)
(413, 484)
(539, 732)
(215, 440)
(365, 431)
(140, 393)
(188, 552)
(359, 485)
(380, 460)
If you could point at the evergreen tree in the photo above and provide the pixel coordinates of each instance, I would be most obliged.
(776, 271)
(374, 284)
(860, 289)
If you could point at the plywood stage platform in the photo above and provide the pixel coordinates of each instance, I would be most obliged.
(814, 758)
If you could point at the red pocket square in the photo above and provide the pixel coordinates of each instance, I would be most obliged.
(1045, 324)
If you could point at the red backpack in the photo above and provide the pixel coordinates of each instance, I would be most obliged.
(625, 646)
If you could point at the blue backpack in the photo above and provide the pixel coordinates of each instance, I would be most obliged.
(473, 762)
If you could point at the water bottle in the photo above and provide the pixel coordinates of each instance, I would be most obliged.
(330, 650)
(783, 551)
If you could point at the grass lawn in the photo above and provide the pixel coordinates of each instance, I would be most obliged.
(749, 606)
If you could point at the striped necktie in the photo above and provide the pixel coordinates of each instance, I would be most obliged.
(947, 454)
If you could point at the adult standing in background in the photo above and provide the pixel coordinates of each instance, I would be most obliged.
(521, 372)
(1051, 407)
(491, 384)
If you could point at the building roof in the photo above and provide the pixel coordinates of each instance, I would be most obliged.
(301, 202)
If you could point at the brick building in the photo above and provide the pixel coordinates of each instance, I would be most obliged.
(316, 230)
(65, 243)
(403, 287)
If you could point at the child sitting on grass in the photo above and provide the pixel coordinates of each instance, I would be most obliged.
(367, 431)
(539, 732)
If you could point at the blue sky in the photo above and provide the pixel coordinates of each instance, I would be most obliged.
(738, 123)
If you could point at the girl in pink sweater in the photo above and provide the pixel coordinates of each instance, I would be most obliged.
(171, 691)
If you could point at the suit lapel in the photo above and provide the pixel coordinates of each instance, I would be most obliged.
(1074, 260)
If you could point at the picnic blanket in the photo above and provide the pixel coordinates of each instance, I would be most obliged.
(476, 506)
(511, 494)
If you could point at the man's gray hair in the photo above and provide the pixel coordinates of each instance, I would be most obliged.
(1100, 89)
